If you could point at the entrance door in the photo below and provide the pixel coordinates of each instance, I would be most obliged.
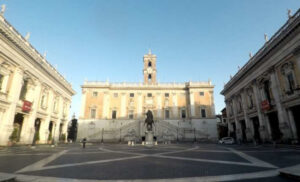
(18, 123)
(256, 129)
(274, 124)
(36, 136)
(296, 114)
(243, 128)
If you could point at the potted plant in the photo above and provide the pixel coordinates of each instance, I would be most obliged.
(14, 136)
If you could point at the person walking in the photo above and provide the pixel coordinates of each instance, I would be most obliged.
(83, 142)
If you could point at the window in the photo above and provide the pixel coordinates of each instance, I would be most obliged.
(291, 82)
(1, 81)
(131, 94)
(149, 64)
(203, 113)
(149, 77)
(93, 113)
(115, 94)
(167, 114)
(201, 93)
(95, 94)
(166, 94)
(43, 101)
(183, 114)
(149, 95)
(130, 114)
(250, 99)
(24, 90)
(267, 90)
(114, 114)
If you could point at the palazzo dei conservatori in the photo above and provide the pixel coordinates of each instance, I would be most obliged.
(116, 111)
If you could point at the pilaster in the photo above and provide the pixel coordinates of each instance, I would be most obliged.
(249, 125)
(281, 112)
(174, 106)
(265, 135)
(192, 104)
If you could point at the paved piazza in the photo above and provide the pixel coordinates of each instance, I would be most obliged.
(174, 162)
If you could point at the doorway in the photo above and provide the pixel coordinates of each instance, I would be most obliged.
(296, 115)
(243, 128)
(274, 124)
(256, 129)
(18, 124)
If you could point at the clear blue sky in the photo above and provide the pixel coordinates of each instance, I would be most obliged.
(194, 40)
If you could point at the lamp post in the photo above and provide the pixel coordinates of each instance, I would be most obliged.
(102, 135)
(195, 139)
(120, 132)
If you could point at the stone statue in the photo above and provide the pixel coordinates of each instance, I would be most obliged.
(149, 121)
(3, 7)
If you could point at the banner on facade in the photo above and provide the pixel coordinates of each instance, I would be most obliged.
(26, 106)
(265, 105)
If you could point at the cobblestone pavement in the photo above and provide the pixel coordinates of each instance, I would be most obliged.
(175, 162)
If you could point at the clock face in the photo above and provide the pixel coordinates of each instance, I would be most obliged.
(149, 70)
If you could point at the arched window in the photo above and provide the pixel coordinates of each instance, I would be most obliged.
(149, 77)
(149, 64)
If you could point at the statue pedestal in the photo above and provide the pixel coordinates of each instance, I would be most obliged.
(149, 138)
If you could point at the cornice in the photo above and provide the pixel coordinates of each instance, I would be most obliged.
(9, 32)
(275, 40)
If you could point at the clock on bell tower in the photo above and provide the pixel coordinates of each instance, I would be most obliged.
(149, 68)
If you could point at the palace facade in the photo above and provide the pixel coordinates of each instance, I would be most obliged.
(34, 97)
(116, 111)
(263, 98)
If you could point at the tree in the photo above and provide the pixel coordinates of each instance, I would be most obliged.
(72, 130)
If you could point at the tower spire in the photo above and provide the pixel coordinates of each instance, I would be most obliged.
(149, 52)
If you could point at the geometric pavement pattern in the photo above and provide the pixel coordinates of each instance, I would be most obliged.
(176, 162)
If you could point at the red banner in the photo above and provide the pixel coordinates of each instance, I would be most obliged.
(265, 105)
(26, 106)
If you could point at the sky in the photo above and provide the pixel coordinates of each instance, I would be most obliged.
(194, 40)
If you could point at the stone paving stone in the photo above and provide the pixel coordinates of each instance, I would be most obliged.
(11, 164)
(280, 159)
(272, 179)
(146, 168)
(210, 156)
(71, 159)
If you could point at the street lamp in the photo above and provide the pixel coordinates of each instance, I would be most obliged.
(102, 135)
(120, 132)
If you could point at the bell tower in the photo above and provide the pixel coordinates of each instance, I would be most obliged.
(149, 68)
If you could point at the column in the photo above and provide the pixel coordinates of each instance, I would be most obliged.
(8, 118)
(44, 130)
(227, 119)
(264, 133)
(249, 127)
(237, 123)
(192, 104)
(292, 124)
(28, 130)
(212, 104)
(281, 112)
(174, 105)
